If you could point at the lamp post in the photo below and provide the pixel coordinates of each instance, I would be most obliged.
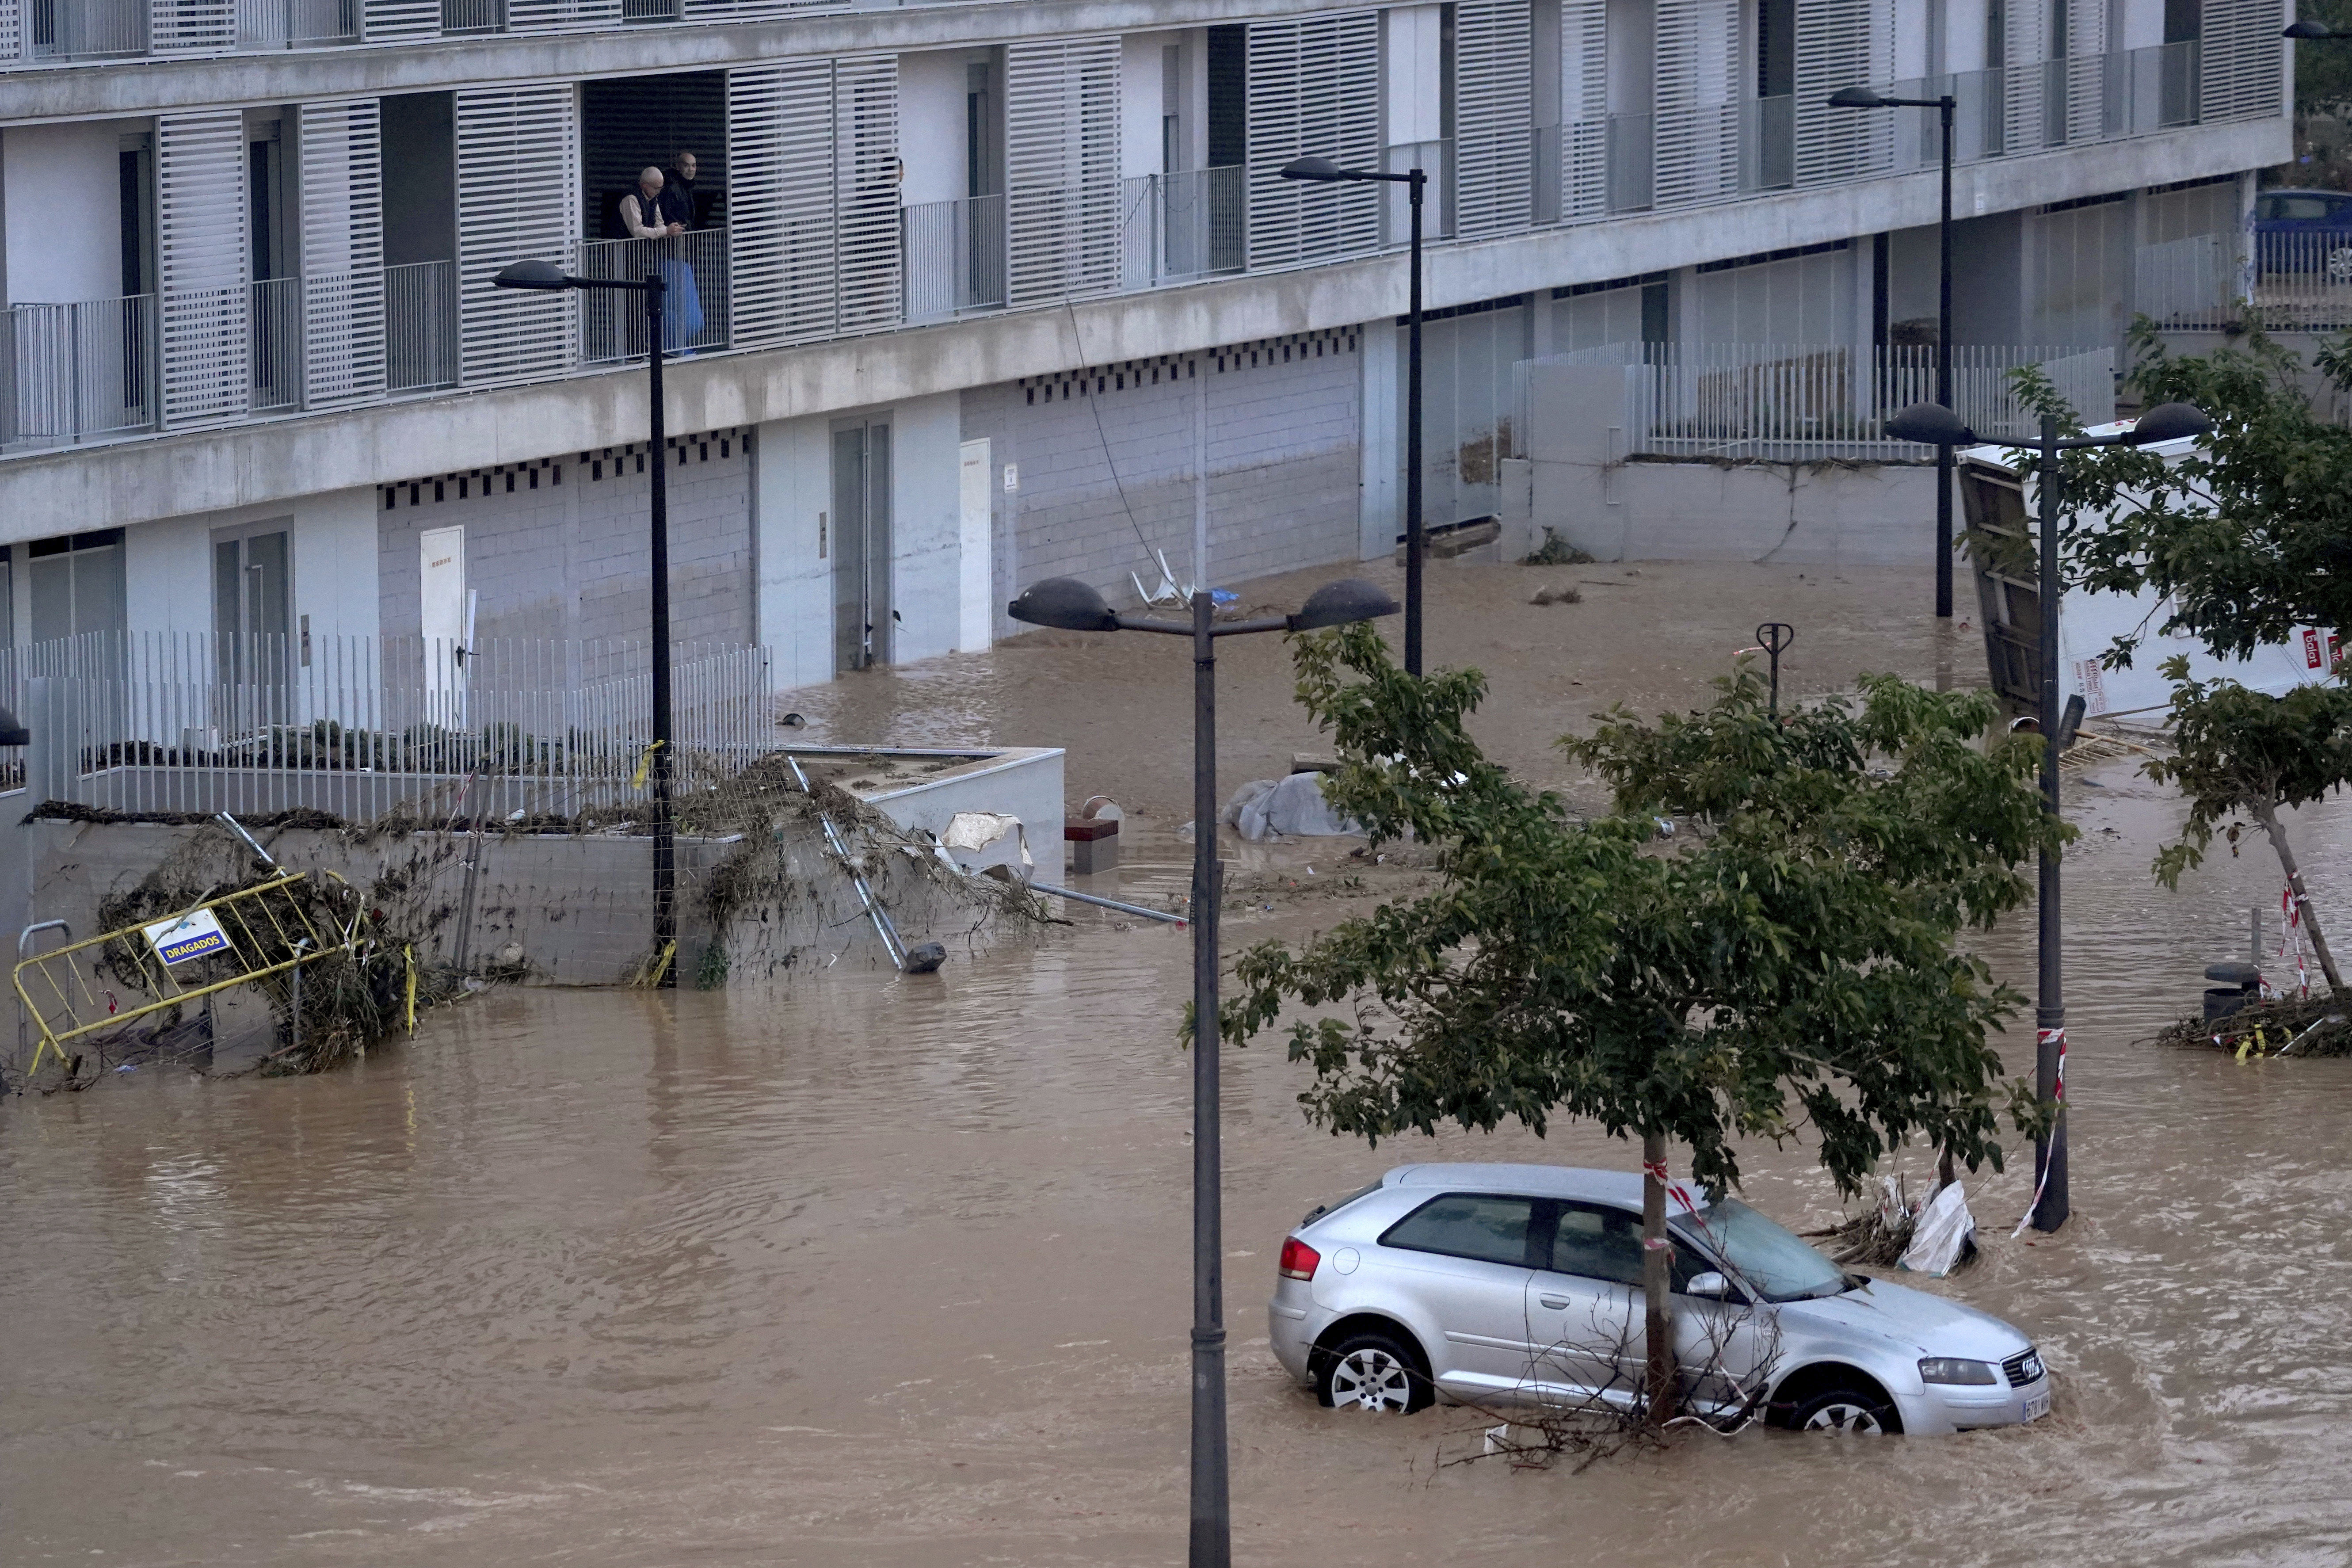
(1930, 424)
(1070, 605)
(1863, 97)
(546, 276)
(1322, 171)
(2310, 32)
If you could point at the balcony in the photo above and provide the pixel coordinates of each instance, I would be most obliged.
(952, 257)
(77, 372)
(296, 23)
(1767, 143)
(1192, 223)
(461, 17)
(693, 270)
(1435, 159)
(420, 320)
(86, 29)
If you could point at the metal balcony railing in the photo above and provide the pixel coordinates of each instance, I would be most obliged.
(296, 23)
(86, 29)
(1632, 162)
(1767, 143)
(952, 257)
(1435, 159)
(420, 318)
(1189, 223)
(461, 16)
(694, 305)
(71, 373)
(274, 353)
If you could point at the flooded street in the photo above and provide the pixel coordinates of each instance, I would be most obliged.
(872, 1271)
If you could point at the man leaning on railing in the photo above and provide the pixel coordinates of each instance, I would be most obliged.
(653, 211)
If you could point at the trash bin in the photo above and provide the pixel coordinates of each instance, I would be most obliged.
(2241, 983)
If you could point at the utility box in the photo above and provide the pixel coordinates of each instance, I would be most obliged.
(1094, 844)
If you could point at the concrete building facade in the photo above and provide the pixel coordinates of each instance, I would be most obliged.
(969, 294)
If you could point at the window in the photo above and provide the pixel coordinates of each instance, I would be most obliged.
(2301, 208)
(1594, 1241)
(1487, 1226)
(77, 586)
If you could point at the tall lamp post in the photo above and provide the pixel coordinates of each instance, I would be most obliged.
(1863, 97)
(1068, 604)
(2310, 32)
(1322, 171)
(546, 277)
(1931, 423)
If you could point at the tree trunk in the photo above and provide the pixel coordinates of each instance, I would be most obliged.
(1944, 1175)
(2267, 814)
(1661, 1383)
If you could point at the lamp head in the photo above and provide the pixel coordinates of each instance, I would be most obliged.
(1065, 603)
(2307, 28)
(12, 732)
(1856, 98)
(2170, 422)
(1313, 169)
(531, 275)
(1930, 424)
(1339, 603)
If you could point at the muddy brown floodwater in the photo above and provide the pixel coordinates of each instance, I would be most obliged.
(884, 1272)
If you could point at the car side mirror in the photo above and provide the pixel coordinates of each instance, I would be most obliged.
(1709, 1284)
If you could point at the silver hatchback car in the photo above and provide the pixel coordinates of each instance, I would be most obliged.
(1518, 1284)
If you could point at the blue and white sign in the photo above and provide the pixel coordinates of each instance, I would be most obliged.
(193, 935)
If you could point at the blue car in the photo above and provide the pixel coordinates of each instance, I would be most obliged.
(2304, 231)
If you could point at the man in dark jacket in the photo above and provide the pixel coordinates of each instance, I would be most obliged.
(679, 202)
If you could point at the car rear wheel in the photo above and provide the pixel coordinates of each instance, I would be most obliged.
(1375, 1372)
(1844, 1409)
(2339, 263)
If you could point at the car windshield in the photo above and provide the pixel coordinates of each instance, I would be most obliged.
(1780, 1266)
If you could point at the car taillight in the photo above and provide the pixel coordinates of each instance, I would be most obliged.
(1298, 1259)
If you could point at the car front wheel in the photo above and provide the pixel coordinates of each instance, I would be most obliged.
(1850, 1410)
(1377, 1372)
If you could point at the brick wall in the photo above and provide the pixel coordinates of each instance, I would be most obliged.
(1107, 462)
(557, 549)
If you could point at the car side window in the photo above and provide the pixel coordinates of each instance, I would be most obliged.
(1489, 1226)
(1598, 1242)
(2301, 208)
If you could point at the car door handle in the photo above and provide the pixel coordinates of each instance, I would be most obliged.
(1558, 1303)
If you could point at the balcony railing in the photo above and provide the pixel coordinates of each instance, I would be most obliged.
(72, 373)
(952, 257)
(1632, 162)
(1767, 143)
(2153, 88)
(460, 16)
(420, 320)
(274, 325)
(1190, 223)
(692, 266)
(86, 29)
(296, 23)
(1435, 159)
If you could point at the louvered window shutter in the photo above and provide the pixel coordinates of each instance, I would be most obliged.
(190, 27)
(518, 200)
(781, 223)
(343, 251)
(1695, 108)
(2240, 67)
(202, 247)
(401, 21)
(1314, 89)
(866, 183)
(1583, 108)
(754, 10)
(1061, 169)
(2025, 43)
(560, 16)
(12, 29)
(1494, 116)
(1841, 43)
(2087, 72)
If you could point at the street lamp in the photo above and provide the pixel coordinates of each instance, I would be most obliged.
(547, 276)
(1933, 424)
(1068, 604)
(2310, 32)
(1863, 97)
(1324, 172)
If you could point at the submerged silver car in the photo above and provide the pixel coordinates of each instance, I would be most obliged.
(1518, 1284)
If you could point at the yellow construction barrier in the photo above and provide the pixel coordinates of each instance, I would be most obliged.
(236, 939)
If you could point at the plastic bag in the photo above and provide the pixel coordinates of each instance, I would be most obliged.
(1293, 806)
(1942, 1234)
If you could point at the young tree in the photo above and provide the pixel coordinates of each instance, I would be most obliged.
(2242, 750)
(1788, 962)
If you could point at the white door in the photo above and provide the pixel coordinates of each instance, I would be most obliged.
(441, 576)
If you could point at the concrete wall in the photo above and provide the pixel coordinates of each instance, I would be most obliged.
(1801, 515)
(168, 565)
(791, 491)
(1106, 472)
(63, 212)
(558, 549)
(931, 123)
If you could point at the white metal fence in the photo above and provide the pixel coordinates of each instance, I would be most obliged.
(693, 270)
(952, 257)
(1799, 401)
(1193, 223)
(69, 372)
(2293, 281)
(149, 721)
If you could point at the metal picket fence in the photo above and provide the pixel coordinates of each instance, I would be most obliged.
(1804, 402)
(166, 721)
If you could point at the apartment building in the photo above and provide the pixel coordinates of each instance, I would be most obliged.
(972, 293)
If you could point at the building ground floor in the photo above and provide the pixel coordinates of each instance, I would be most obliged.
(886, 532)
